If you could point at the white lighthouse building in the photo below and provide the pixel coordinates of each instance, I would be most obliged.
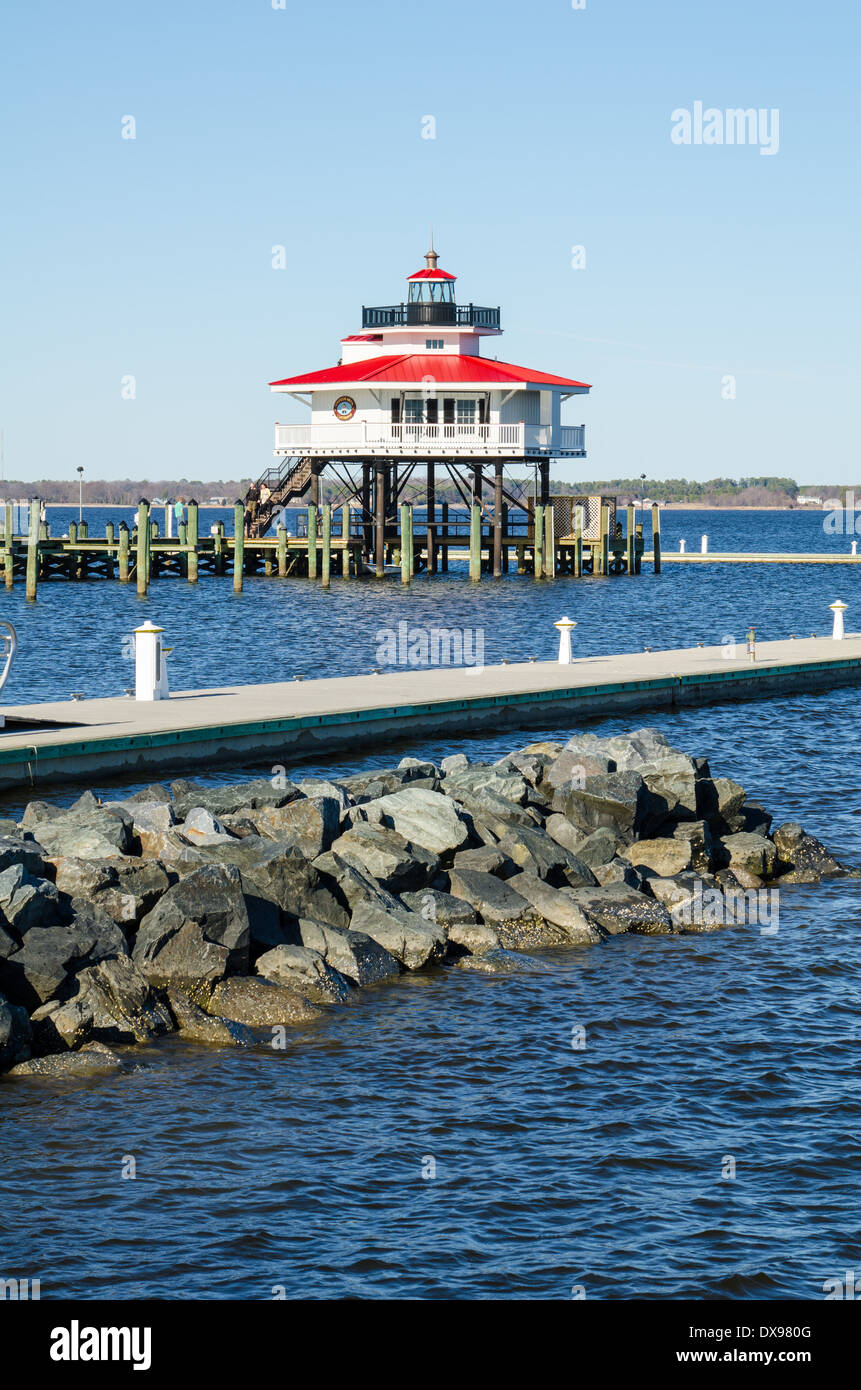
(415, 389)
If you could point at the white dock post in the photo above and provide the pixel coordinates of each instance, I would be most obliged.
(838, 609)
(854, 547)
(150, 667)
(704, 545)
(565, 627)
(681, 547)
(168, 521)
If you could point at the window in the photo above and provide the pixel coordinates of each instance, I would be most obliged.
(466, 412)
(434, 343)
(413, 413)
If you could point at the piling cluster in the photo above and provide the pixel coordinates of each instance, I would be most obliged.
(229, 914)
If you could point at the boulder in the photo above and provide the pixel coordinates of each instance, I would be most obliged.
(44, 966)
(664, 857)
(36, 811)
(150, 821)
(801, 857)
(752, 853)
(115, 1004)
(26, 852)
(321, 786)
(456, 762)
(93, 1060)
(532, 766)
(475, 937)
(573, 765)
(407, 936)
(89, 832)
(596, 849)
(193, 1025)
(617, 908)
(487, 809)
(560, 829)
(230, 798)
(27, 902)
(139, 885)
(620, 871)
(259, 1003)
(15, 1034)
(308, 825)
(620, 802)
(386, 856)
(441, 908)
(719, 799)
(753, 818)
(351, 953)
(307, 972)
(532, 849)
(557, 906)
(699, 836)
(425, 818)
(481, 779)
(79, 878)
(354, 885)
(278, 875)
(516, 922)
(197, 933)
(487, 859)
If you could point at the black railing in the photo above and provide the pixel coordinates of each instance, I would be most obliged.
(424, 315)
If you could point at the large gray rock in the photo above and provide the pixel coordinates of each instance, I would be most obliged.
(14, 1034)
(489, 811)
(532, 849)
(425, 818)
(307, 972)
(229, 799)
(44, 966)
(560, 829)
(139, 885)
(193, 1025)
(407, 936)
(353, 885)
(386, 856)
(699, 836)
(93, 1060)
(719, 800)
(475, 937)
(362, 787)
(82, 877)
(617, 908)
(36, 811)
(88, 832)
(440, 908)
(559, 907)
(752, 853)
(30, 855)
(518, 924)
(113, 1003)
(321, 786)
(150, 821)
(280, 876)
(259, 1004)
(596, 849)
(801, 857)
(487, 859)
(620, 802)
(664, 857)
(351, 953)
(27, 902)
(482, 779)
(197, 933)
(308, 825)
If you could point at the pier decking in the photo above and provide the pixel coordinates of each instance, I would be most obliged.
(300, 721)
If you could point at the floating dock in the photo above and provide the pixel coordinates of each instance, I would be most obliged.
(302, 721)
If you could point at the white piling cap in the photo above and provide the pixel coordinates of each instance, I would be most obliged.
(149, 627)
(839, 604)
(564, 622)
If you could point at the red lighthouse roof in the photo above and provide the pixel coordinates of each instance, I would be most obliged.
(418, 368)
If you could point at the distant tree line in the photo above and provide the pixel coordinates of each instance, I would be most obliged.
(124, 492)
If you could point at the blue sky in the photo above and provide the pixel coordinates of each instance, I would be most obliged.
(302, 127)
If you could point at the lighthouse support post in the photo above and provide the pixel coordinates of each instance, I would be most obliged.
(380, 526)
(430, 526)
(497, 522)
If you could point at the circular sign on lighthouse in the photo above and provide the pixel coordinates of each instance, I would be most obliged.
(345, 407)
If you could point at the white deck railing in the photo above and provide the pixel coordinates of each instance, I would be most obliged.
(363, 436)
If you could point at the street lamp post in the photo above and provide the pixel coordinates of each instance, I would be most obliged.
(80, 493)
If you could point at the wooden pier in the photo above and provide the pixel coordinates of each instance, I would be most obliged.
(335, 541)
(303, 721)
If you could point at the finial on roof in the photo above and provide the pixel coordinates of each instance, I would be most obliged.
(431, 258)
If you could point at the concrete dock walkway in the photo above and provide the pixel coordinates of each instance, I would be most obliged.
(289, 721)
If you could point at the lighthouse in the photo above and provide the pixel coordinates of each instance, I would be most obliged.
(417, 389)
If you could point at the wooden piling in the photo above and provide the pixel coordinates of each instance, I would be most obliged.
(312, 541)
(475, 542)
(380, 521)
(33, 550)
(656, 537)
(143, 537)
(83, 530)
(8, 546)
(282, 550)
(578, 551)
(538, 542)
(238, 545)
(504, 555)
(549, 542)
(124, 552)
(638, 552)
(326, 550)
(497, 522)
(605, 540)
(629, 521)
(192, 532)
(445, 537)
(219, 548)
(430, 525)
(109, 558)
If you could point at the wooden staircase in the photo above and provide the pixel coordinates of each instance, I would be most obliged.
(287, 483)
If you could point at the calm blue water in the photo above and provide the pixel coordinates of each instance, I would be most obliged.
(554, 1168)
